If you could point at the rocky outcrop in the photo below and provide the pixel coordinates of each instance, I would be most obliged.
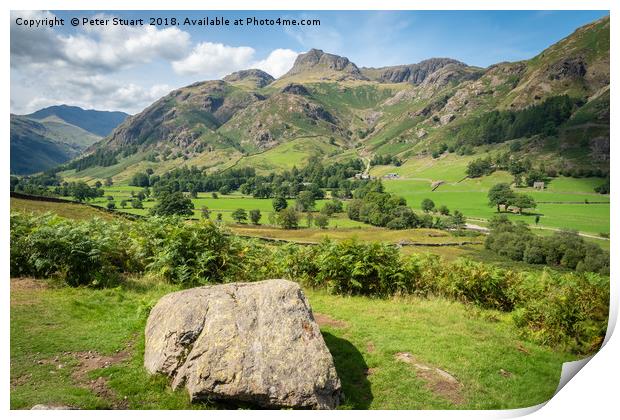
(319, 61)
(258, 77)
(251, 342)
(412, 73)
(295, 89)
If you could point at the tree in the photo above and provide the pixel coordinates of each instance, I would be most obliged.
(309, 218)
(427, 205)
(140, 179)
(288, 218)
(522, 201)
(500, 195)
(205, 212)
(240, 215)
(108, 182)
(219, 218)
(444, 210)
(458, 220)
(137, 203)
(279, 203)
(214, 195)
(321, 221)
(123, 203)
(98, 184)
(111, 205)
(305, 201)
(173, 204)
(255, 216)
(81, 191)
(331, 207)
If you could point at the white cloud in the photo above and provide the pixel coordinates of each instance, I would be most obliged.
(213, 60)
(91, 92)
(278, 62)
(119, 47)
(99, 48)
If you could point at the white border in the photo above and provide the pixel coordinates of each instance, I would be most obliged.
(591, 394)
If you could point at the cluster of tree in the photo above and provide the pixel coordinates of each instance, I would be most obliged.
(80, 190)
(35, 184)
(194, 180)
(441, 148)
(502, 195)
(566, 249)
(499, 126)
(521, 168)
(372, 205)
(313, 177)
(241, 216)
(173, 203)
(99, 158)
(428, 206)
(603, 188)
(385, 160)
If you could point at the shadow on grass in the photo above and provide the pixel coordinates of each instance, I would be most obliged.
(352, 370)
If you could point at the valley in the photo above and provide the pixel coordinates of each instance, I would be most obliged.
(424, 206)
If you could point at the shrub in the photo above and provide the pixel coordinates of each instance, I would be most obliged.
(355, 268)
(76, 253)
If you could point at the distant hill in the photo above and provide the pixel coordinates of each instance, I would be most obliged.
(100, 123)
(31, 149)
(54, 135)
(555, 104)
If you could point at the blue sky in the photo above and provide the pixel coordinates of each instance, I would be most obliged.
(127, 68)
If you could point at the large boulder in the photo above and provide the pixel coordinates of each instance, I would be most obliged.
(252, 342)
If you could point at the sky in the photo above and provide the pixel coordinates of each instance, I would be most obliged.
(126, 68)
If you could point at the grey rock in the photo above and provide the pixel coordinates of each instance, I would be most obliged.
(51, 407)
(317, 60)
(412, 73)
(253, 342)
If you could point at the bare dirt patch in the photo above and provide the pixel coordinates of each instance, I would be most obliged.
(27, 283)
(437, 380)
(20, 380)
(327, 321)
(370, 347)
(89, 361)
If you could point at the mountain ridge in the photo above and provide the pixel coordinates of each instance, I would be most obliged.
(326, 102)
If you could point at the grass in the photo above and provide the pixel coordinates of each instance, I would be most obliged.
(476, 346)
(70, 211)
(561, 205)
(370, 233)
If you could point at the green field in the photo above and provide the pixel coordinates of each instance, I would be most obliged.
(566, 196)
(53, 328)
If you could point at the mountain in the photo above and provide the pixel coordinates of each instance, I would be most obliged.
(54, 135)
(252, 78)
(31, 149)
(100, 123)
(323, 66)
(556, 104)
(412, 73)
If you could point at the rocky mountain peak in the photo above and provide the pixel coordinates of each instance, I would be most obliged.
(412, 73)
(317, 60)
(259, 77)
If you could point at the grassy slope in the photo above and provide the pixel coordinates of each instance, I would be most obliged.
(470, 195)
(476, 345)
(70, 211)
